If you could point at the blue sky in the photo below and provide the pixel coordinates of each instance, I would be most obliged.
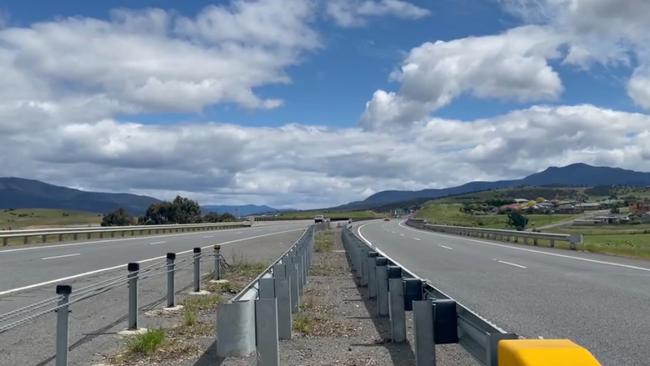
(353, 62)
(259, 101)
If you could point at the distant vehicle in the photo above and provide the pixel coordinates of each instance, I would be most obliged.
(319, 218)
(386, 219)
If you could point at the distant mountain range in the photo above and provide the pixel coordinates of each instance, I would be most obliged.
(239, 210)
(571, 175)
(27, 193)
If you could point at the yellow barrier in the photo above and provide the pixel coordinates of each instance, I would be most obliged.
(543, 352)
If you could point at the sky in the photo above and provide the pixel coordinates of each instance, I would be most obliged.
(314, 103)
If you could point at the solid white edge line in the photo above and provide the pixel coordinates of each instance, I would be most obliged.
(628, 266)
(61, 256)
(446, 247)
(157, 242)
(512, 264)
(35, 285)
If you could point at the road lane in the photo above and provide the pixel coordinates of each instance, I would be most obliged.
(599, 301)
(25, 266)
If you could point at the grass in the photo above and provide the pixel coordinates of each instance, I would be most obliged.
(303, 323)
(146, 343)
(324, 241)
(189, 317)
(201, 302)
(450, 214)
(44, 217)
(625, 240)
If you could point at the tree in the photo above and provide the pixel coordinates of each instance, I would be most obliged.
(212, 217)
(215, 217)
(118, 217)
(228, 217)
(517, 220)
(180, 211)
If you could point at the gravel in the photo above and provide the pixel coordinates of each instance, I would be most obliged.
(345, 328)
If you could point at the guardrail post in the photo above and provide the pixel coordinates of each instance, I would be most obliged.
(236, 329)
(293, 278)
(396, 310)
(197, 269)
(266, 332)
(425, 353)
(363, 281)
(372, 274)
(217, 262)
(283, 295)
(266, 288)
(535, 241)
(382, 285)
(5, 241)
(171, 302)
(62, 314)
(134, 269)
(552, 243)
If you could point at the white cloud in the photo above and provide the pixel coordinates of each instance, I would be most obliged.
(355, 13)
(307, 166)
(610, 32)
(153, 60)
(512, 66)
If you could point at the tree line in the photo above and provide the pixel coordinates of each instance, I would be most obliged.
(181, 210)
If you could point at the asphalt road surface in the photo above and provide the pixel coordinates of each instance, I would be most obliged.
(601, 302)
(29, 274)
(23, 267)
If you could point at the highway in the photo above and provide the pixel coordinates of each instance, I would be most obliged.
(599, 301)
(24, 268)
(29, 273)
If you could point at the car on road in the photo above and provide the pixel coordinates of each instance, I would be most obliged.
(386, 219)
(319, 218)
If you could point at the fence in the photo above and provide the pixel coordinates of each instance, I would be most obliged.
(132, 279)
(74, 233)
(439, 319)
(284, 279)
(261, 314)
(504, 235)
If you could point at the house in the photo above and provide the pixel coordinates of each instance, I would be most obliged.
(588, 206)
(568, 209)
(513, 207)
(638, 207)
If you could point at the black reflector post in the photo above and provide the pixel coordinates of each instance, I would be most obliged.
(445, 321)
(412, 292)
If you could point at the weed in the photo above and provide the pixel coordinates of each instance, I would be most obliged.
(324, 241)
(303, 323)
(146, 343)
(201, 302)
(189, 317)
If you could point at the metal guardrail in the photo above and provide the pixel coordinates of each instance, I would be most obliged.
(255, 319)
(474, 333)
(135, 274)
(497, 234)
(59, 233)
